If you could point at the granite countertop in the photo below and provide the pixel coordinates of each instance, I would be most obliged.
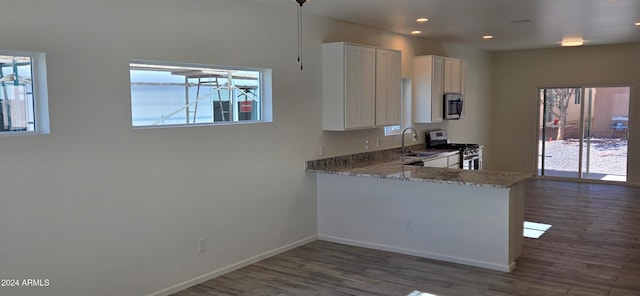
(387, 164)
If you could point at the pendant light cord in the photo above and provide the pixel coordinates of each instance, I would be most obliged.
(300, 36)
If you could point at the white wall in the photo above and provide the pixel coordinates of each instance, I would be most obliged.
(99, 208)
(517, 76)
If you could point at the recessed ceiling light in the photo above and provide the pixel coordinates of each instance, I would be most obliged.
(638, 24)
(416, 32)
(422, 20)
(572, 42)
(487, 37)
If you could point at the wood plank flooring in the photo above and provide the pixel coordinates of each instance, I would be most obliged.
(593, 248)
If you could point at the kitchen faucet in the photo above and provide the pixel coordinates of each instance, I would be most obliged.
(415, 134)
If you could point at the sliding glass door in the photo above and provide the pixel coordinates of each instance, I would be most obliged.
(583, 132)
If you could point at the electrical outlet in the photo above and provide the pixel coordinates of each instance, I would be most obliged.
(366, 144)
(202, 245)
(321, 150)
(378, 143)
(415, 137)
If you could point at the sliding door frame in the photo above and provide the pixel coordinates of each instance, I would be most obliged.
(540, 132)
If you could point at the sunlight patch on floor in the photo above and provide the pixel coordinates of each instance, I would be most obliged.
(418, 293)
(535, 230)
(614, 178)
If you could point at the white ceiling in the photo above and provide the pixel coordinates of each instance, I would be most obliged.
(516, 24)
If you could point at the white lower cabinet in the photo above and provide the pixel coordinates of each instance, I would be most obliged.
(453, 161)
(446, 160)
(440, 162)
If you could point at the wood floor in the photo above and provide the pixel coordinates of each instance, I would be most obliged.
(593, 248)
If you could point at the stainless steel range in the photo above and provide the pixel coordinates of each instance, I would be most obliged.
(470, 154)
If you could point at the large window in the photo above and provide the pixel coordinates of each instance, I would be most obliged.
(181, 94)
(23, 95)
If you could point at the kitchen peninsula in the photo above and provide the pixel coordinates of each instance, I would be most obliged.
(375, 200)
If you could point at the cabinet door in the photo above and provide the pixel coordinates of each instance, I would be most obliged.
(454, 160)
(436, 163)
(452, 71)
(359, 87)
(388, 75)
(437, 91)
(427, 89)
(463, 76)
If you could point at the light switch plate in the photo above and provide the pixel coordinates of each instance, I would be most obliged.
(202, 245)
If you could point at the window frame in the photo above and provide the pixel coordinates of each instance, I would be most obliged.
(40, 92)
(264, 87)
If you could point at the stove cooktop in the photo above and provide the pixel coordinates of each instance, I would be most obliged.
(439, 139)
(454, 146)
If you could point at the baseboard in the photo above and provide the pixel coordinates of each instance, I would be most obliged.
(465, 261)
(588, 181)
(232, 267)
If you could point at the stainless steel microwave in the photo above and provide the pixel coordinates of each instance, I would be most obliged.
(453, 106)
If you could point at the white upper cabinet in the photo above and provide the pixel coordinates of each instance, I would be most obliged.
(388, 76)
(348, 86)
(360, 86)
(455, 72)
(434, 76)
(427, 89)
(463, 77)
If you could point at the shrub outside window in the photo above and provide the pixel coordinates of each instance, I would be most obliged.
(23, 95)
(392, 130)
(166, 94)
